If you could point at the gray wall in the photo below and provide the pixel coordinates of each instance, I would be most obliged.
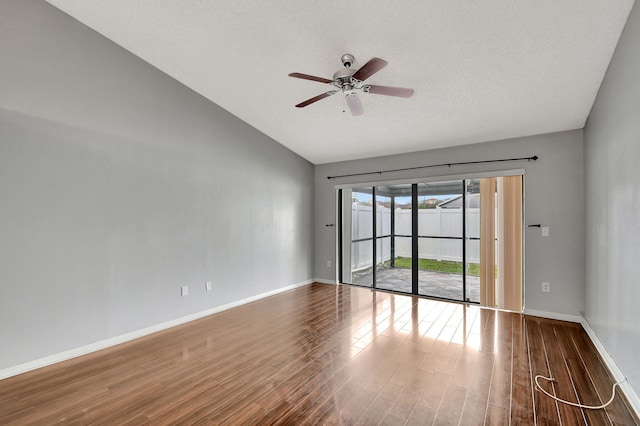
(118, 185)
(612, 179)
(553, 196)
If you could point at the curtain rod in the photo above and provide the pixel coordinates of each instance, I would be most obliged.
(534, 158)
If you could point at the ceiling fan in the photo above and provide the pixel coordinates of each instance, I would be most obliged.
(348, 80)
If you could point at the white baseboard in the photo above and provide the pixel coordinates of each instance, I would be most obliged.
(103, 344)
(553, 315)
(323, 281)
(618, 375)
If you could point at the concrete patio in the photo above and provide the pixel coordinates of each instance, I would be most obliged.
(430, 283)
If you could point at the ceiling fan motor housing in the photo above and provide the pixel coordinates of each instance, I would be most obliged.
(343, 79)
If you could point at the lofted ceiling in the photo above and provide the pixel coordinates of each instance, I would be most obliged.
(482, 70)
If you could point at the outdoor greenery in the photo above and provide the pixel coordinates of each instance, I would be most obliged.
(439, 266)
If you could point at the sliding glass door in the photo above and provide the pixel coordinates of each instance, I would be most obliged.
(440, 239)
(395, 211)
(383, 235)
(457, 240)
(361, 241)
(472, 240)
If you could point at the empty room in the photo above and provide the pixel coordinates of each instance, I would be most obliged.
(319, 212)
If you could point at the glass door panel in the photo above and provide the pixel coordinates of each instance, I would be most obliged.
(361, 224)
(394, 237)
(383, 235)
(472, 188)
(440, 238)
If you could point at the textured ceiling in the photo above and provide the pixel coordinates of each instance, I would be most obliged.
(482, 70)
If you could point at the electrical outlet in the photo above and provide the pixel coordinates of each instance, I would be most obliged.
(328, 264)
(184, 290)
(545, 231)
(208, 286)
(546, 288)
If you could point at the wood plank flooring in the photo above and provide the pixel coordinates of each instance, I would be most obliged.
(324, 354)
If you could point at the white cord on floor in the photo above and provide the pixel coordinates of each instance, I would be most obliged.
(590, 407)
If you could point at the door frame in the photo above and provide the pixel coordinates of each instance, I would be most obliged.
(414, 181)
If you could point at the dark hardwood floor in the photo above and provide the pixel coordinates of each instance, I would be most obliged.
(324, 354)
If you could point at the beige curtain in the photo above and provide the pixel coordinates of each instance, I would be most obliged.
(487, 237)
(510, 277)
(501, 242)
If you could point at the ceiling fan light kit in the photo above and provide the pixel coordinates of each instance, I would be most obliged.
(348, 81)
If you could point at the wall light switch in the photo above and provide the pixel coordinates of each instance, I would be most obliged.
(208, 286)
(545, 231)
(328, 264)
(184, 290)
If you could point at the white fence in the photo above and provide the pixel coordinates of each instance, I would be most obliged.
(431, 223)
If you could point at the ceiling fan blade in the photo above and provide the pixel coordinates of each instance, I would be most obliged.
(355, 106)
(370, 68)
(315, 99)
(400, 92)
(310, 77)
